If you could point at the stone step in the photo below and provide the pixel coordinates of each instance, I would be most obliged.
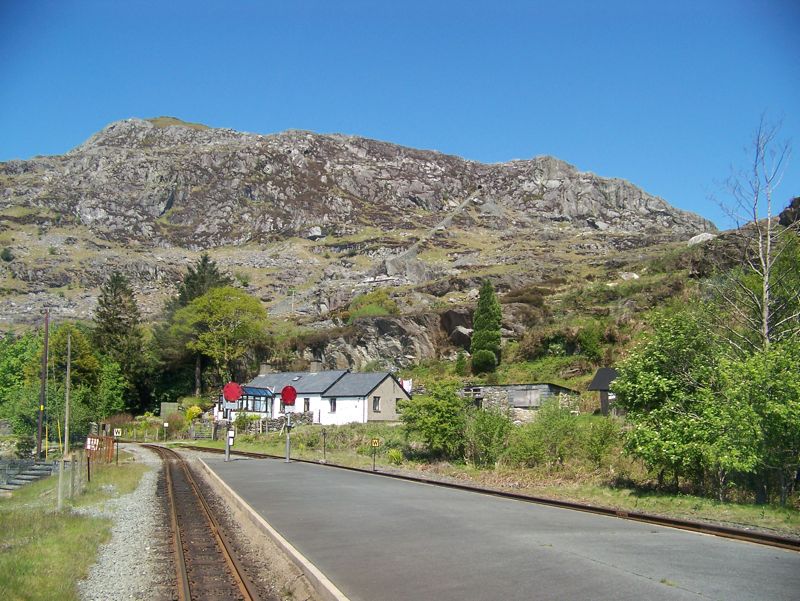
(40, 468)
(18, 483)
(9, 486)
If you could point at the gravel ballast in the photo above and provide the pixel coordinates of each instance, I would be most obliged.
(136, 563)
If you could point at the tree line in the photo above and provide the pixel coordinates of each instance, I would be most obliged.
(210, 331)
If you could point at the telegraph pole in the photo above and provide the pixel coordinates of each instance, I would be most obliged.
(43, 387)
(66, 427)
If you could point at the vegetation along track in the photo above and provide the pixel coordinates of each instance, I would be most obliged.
(206, 567)
(762, 538)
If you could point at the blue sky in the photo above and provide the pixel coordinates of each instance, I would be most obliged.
(664, 94)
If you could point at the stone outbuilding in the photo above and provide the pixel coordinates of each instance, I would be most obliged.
(522, 399)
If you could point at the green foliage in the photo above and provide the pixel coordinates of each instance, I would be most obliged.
(117, 332)
(18, 361)
(485, 435)
(85, 366)
(669, 366)
(200, 279)
(222, 324)
(697, 413)
(484, 361)
(373, 304)
(395, 456)
(109, 397)
(550, 439)
(486, 324)
(193, 412)
(586, 340)
(439, 418)
(748, 321)
(461, 367)
(766, 388)
(525, 447)
(602, 436)
(6, 255)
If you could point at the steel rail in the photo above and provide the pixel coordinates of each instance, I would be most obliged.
(181, 575)
(762, 538)
(237, 571)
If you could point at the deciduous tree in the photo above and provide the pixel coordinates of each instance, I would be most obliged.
(223, 325)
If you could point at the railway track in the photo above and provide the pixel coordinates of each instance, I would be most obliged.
(762, 538)
(206, 567)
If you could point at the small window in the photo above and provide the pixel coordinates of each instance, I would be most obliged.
(333, 405)
(376, 404)
(306, 405)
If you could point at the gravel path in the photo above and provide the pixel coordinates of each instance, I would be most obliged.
(136, 562)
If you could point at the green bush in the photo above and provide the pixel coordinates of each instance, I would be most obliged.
(485, 436)
(602, 435)
(552, 438)
(589, 342)
(525, 447)
(193, 412)
(395, 456)
(484, 361)
(372, 304)
(6, 255)
(461, 364)
(439, 419)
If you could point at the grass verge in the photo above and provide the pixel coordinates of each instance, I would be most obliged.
(43, 552)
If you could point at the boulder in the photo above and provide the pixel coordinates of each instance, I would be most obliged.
(461, 336)
(700, 238)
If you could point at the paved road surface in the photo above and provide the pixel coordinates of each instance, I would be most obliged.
(382, 539)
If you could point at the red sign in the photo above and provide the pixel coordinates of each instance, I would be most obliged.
(288, 395)
(232, 391)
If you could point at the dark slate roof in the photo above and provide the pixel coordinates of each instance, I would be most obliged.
(304, 382)
(603, 378)
(359, 385)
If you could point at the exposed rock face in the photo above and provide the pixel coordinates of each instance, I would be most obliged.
(392, 342)
(306, 222)
(200, 188)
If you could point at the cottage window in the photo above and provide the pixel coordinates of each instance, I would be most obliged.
(306, 405)
(333, 405)
(376, 404)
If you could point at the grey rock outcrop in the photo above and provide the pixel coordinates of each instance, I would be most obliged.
(306, 223)
(199, 188)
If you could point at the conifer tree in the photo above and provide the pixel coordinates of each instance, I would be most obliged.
(198, 280)
(486, 328)
(117, 331)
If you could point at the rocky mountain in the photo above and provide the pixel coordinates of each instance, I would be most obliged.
(305, 221)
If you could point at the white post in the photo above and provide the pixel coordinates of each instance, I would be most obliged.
(288, 435)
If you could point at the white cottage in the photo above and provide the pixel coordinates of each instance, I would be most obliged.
(332, 397)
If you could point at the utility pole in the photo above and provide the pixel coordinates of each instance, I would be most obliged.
(43, 386)
(66, 424)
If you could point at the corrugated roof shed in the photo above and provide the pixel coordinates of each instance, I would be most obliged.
(304, 382)
(358, 384)
(603, 378)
